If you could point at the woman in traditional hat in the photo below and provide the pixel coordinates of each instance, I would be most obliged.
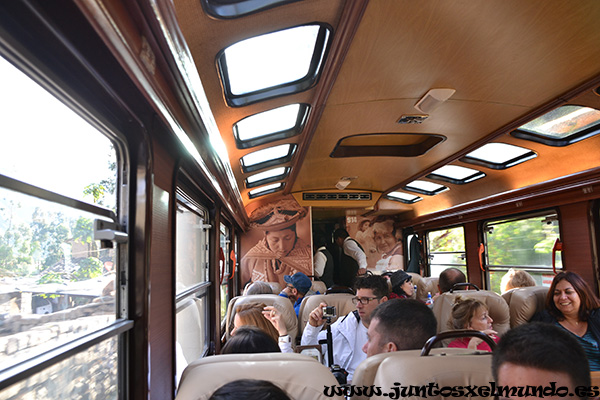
(280, 252)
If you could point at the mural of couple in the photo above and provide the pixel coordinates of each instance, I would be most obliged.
(280, 238)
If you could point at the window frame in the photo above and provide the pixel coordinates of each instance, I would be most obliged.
(500, 166)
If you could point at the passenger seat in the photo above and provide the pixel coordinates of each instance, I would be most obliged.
(524, 302)
(341, 301)
(301, 377)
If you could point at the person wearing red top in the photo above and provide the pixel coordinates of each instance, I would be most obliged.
(472, 314)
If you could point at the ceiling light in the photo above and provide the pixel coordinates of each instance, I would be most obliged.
(433, 98)
(344, 182)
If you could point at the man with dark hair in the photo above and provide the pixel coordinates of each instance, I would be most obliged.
(350, 258)
(350, 332)
(535, 354)
(249, 389)
(399, 324)
(450, 277)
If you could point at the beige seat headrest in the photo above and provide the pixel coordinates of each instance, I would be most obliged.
(524, 302)
(319, 286)
(421, 292)
(283, 304)
(275, 287)
(497, 308)
(341, 301)
(444, 366)
(300, 376)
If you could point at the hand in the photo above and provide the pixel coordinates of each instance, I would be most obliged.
(361, 271)
(274, 317)
(316, 316)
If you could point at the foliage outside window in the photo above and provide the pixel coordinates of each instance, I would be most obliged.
(446, 250)
(524, 243)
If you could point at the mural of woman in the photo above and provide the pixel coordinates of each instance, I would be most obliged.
(280, 251)
(388, 240)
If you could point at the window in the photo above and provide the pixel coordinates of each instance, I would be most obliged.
(498, 156)
(274, 64)
(424, 187)
(191, 280)
(562, 126)
(268, 157)
(239, 8)
(456, 174)
(521, 243)
(446, 248)
(60, 303)
(268, 189)
(225, 268)
(262, 178)
(403, 197)
(268, 126)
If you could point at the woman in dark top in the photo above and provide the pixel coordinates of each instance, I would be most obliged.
(572, 305)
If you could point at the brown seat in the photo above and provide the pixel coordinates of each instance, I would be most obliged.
(431, 285)
(497, 307)
(284, 305)
(524, 302)
(341, 301)
(444, 367)
(319, 286)
(301, 377)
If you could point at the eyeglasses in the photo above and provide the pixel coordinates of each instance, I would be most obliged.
(363, 300)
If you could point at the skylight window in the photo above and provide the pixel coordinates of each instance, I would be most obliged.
(265, 190)
(403, 197)
(273, 64)
(456, 174)
(498, 156)
(276, 124)
(424, 187)
(226, 9)
(268, 157)
(268, 176)
(562, 126)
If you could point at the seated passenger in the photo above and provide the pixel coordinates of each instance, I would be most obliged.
(250, 339)
(402, 285)
(572, 305)
(252, 314)
(249, 389)
(450, 277)
(298, 286)
(350, 332)
(472, 314)
(399, 325)
(536, 354)
(516, 278)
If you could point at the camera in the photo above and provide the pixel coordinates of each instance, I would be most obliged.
(329, 312)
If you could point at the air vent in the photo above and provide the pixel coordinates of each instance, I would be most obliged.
(336, 196)
(413, 119)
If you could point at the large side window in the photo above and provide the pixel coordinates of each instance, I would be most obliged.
(446, 248)
(524, 243)
(192, 281)
(61, 317)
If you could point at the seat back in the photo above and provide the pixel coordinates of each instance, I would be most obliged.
(319, 286)
(301, 377)
(444, 366)
(497, 308)
(421, 292)
(341, 301)
(283, 304)
(275, 286)
(431, 285)
(524, 302)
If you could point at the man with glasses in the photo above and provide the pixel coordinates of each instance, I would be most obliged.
(350, 332)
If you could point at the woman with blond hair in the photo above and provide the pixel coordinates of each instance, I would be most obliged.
(472, 314)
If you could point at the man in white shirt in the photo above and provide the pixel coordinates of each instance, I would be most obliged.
(323, 261)
(351, 259)
(350, 332)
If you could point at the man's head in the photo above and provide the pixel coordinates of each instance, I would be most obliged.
(399, 324)
(297, 285)
(339, 235)
(537, 354)
(371, 290)
(450, 277)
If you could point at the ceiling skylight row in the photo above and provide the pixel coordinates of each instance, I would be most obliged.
(263, 67)
(560, 127)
